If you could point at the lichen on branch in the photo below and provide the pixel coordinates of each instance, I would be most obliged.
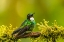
(49, 33)
(52, 32)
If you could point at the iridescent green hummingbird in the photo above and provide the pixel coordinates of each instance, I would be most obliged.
(27, 26)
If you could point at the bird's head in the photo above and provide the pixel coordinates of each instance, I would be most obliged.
(30, 17)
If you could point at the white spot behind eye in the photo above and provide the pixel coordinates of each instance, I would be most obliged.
(31, 18)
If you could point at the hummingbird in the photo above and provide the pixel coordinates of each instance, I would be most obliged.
(27, 26)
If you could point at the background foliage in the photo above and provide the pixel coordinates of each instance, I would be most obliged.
(15, 11)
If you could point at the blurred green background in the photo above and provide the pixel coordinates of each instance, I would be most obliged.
(14, 11)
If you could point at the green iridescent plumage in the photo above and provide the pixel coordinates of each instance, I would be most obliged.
(28, 23)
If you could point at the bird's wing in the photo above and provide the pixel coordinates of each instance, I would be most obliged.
(24, 29)
(24, 23)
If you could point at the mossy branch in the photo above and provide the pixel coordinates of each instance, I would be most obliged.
(26, 35)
